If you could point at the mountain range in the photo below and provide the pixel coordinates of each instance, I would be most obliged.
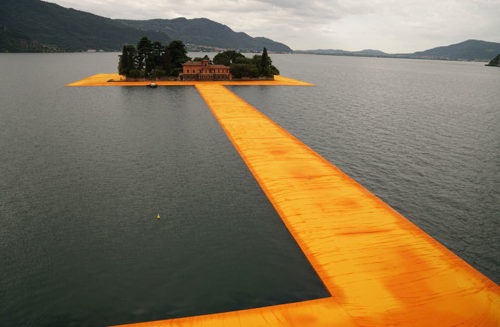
(470, 50)
(47, 26)
(202, 31)
(38, 26)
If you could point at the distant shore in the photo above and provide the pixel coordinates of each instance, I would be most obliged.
(388, 56)
(291, 53)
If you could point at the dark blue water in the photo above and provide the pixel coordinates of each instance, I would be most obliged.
(422, 135)
(84, 173)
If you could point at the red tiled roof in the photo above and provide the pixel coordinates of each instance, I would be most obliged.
(199, 63)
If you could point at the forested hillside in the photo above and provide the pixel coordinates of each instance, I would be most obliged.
(37, 26)
(49, 26)
(202, 31)
(467, 50)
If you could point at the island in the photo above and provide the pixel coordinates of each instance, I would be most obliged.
(151, 61)
(495, 61)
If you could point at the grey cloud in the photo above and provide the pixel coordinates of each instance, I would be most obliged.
(389, 25)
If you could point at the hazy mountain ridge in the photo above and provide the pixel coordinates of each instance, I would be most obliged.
(368, 52)
(203, 31)
(467, 50)
(65, 29)
(38, 26)
(470, 50)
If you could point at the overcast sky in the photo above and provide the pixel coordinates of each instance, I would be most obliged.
(388, 25)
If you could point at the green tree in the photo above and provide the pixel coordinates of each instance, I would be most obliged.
(144, 49)
(495, 61)
(244, 70)
(175, 56)
(257, 61)
(158, 72)
(222, 59)
(243, 60)
(136, 73)
(274, 70)
(258, 65)
(127, 60)
(227, 57)
(156, 54)
(207, 58)
(265, 64)
(202, 58)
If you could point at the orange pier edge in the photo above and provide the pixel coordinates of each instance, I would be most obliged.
(380, 269)
(118, 80)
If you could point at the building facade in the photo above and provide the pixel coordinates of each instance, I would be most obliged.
(204, 71)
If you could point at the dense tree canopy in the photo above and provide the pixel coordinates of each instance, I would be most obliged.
(242, 67)
(176, 55)
(495, 61)
(152, 59)
(127, 60)
(266, 67)
(227, 57)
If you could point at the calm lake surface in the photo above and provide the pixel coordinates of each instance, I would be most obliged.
(85, 171)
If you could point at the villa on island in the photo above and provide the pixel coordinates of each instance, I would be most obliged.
(204, 71)
(152, 62)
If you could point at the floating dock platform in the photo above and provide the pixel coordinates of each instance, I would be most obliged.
(117, 80)
(380, 269)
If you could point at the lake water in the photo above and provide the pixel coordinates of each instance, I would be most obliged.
(85, 171)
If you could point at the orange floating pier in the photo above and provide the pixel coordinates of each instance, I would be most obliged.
(380, 269)
(118, 80)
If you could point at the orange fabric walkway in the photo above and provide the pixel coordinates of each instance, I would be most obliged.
(117, 80)
(380, 269)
